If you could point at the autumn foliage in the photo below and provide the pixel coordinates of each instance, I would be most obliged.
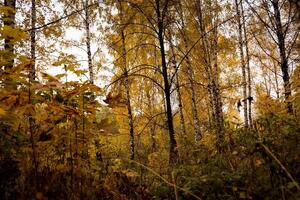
(156, 99)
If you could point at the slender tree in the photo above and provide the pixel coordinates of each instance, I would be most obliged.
(248, 70)
(127, 86)
(88, 39)
(282, 35)
(210, 57)
(282, 51)
(33, 40)
(177, 86)
(161, 9)
(191, 77)
(243, 62)
(9, 20)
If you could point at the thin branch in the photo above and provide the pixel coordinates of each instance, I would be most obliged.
(198, 40)
(281, 165)
(163, 179)
(60, 19)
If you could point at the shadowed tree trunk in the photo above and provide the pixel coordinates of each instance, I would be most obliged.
(33, 40)
(32, 74)
(283, 57)
(127, 87)
(9, 20)
(173, 153)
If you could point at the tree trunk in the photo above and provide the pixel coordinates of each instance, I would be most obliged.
(177, 85)
(180, 106)
(276, 81)
(249, 98)
(151, 98)
(88, 42)
(215, 84)
(243, 64)
(9, 20)
(31, 79)
(33, 41)
(198, 134)
(212, 72)
(127, 89)
(283, 58)
(173, 154)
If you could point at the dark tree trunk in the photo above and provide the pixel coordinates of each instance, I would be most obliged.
(32, 78)
(33, 40)
(283, 57)
(9, 20)
(177, 85)
(173, 154)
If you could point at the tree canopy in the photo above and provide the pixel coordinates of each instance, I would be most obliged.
(149, 99)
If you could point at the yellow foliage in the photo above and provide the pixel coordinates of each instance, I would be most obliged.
(2, 112)
(15, 34)
(153, 160)
(268, 105)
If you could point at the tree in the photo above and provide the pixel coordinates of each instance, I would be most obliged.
(282, 50)
(9, 23)
(33, 40)
(210, 57)
(161, 9)
(191, 78)
(243, 63)
(127, 87)
(280, 33)
(88, 39)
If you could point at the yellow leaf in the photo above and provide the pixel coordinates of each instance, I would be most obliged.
(258, 162)
(2, 112)
(49, 77)
(130, 173)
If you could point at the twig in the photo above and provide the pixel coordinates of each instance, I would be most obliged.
(60, 19)
(162, 178)
(281, 165)
(175, 189)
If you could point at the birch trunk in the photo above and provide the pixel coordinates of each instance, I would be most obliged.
(215, 84)
(243, 64)
(127, 89)
(250, 98)
(198, 135)
(32, 78)
(9, 20)
(88, 41)
(191, 78)
(177, 85)
(151, 98)
(211, 67)
(33, 41)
